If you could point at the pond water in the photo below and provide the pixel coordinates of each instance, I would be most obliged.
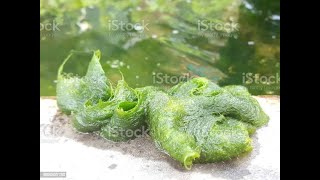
(161, 43)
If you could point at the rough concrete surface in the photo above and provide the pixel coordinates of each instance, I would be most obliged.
(90, 157)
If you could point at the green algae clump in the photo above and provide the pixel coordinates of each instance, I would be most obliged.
(193, 122)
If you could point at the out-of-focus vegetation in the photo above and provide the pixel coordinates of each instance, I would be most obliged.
(170, 44)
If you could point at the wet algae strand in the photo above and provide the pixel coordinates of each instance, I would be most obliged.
(194, 122)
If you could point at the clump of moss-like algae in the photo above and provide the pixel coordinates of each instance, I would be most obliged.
(194, 122)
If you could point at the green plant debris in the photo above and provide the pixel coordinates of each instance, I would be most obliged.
(193, 122)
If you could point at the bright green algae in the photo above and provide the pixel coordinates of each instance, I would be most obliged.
(194, 122)
(73, 92)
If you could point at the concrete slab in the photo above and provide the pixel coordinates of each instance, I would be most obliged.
(89, 157)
